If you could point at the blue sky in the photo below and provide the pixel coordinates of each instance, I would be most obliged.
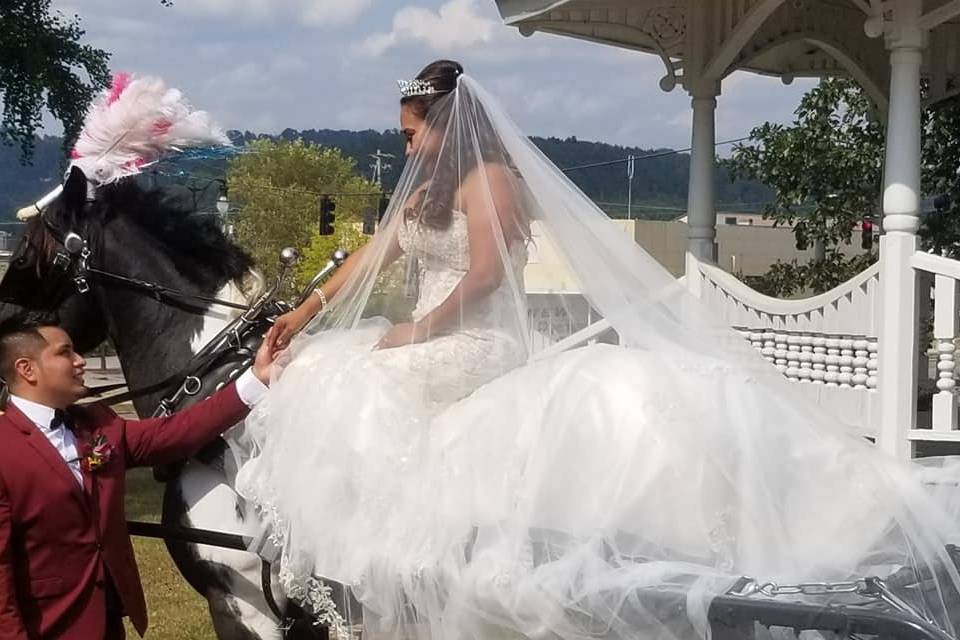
(265, 65)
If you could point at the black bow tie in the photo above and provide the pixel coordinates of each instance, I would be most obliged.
(60, 419)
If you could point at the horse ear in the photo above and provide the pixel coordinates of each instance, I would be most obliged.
(75, 190)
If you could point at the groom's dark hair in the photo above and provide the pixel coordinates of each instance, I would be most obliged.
(20, 336)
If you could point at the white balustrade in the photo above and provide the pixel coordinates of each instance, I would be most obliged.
(944, 332)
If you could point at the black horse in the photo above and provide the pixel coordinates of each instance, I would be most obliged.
(140, 235)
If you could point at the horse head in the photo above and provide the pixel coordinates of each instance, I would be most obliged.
(38, 280)
(138, 235)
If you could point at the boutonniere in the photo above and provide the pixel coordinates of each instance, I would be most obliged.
(98, 453)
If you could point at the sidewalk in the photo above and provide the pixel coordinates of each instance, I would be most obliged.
(112, 374)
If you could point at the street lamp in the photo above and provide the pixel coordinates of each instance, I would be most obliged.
(223, 208)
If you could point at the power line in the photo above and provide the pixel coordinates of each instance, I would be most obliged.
(270, 187)
(590, 165)
(719, 206)
(662, 154)
(629, 159)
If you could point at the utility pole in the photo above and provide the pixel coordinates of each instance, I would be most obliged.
(630, 160)
(379, 165)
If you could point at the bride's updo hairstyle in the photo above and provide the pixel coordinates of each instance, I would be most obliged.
(442, 76)
(434, 207)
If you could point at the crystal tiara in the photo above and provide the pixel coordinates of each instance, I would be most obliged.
(410, 88)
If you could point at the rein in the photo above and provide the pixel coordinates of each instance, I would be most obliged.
(73, 261)
(159, 292)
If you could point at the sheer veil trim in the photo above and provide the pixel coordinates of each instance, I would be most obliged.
(463, 486)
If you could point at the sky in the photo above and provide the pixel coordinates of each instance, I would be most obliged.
(266, 65)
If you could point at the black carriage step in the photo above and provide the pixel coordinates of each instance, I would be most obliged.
(733, 616)
(188, 534)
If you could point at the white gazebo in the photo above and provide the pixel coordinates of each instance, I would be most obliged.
(858, 346)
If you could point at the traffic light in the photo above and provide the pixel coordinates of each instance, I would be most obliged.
(382, 206)
(327, 205)
(866, 237)
(369, 222)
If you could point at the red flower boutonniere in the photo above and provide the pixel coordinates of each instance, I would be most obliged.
(99, 452)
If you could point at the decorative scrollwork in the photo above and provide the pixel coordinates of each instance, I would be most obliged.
(667, 26)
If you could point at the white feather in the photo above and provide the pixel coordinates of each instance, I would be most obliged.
(135, 123)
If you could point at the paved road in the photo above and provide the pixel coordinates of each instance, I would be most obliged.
(96, 376)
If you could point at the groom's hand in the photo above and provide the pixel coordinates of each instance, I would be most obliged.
(264, 359)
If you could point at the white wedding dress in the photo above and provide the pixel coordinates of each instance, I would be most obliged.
(460, 488)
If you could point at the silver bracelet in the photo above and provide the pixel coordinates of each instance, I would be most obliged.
(323, 298)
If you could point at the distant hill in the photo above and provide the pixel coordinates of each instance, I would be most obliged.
(659, 184)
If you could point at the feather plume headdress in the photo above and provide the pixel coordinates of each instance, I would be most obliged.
(131, 125)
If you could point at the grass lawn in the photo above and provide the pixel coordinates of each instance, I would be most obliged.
(176, 612)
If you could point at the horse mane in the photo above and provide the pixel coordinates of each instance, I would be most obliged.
(196, 244)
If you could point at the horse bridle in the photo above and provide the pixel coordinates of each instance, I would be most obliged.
(72, 260)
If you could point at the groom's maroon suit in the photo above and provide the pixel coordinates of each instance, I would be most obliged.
(60, 543)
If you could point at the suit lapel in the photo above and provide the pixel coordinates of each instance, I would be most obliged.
(88, 481)
(45, 450)
(83, 433)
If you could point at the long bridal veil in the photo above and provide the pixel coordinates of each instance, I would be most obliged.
(472, 486)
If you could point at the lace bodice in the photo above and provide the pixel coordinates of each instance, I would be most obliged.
(443, 258)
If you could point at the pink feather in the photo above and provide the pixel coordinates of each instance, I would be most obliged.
(120, 82)
(135, 123)
(162, 127)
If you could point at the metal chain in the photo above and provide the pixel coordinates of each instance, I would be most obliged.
(772, 589)
(868, 587)
(749, 587)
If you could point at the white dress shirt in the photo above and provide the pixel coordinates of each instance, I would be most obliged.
(249, 389)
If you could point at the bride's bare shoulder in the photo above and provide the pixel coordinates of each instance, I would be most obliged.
(492, 176)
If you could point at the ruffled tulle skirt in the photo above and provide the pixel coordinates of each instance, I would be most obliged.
(604, 492)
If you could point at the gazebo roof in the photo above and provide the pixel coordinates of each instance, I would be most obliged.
(785, 38)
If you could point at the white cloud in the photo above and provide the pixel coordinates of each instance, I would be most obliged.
(261, 73)
(456, 25)
(332, 12)
(312, 13)
(260, 65)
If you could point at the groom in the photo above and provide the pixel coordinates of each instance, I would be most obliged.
(67, 568)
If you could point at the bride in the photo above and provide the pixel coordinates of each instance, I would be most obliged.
(462, 486)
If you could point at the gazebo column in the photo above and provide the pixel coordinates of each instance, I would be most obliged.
(701, 196)
(899, 325)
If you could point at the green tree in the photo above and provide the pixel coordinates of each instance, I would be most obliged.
(826, 170)
(940, 229)
(44, 63)
(278, 186)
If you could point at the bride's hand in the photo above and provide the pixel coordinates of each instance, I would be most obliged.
(284, 328)
(401, 335)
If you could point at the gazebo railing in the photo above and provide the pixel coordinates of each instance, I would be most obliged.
(938, 329)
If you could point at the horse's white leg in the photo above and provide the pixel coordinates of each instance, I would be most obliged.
(238, 599)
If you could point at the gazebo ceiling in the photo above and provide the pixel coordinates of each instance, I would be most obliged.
(705, 40)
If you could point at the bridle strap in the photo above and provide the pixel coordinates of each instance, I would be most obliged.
(73, 261)
(229, 340)
(160, 292)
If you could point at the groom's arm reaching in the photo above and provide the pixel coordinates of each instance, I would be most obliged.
(11, 622)
(159, 441)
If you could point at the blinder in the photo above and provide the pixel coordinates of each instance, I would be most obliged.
(30, 284)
